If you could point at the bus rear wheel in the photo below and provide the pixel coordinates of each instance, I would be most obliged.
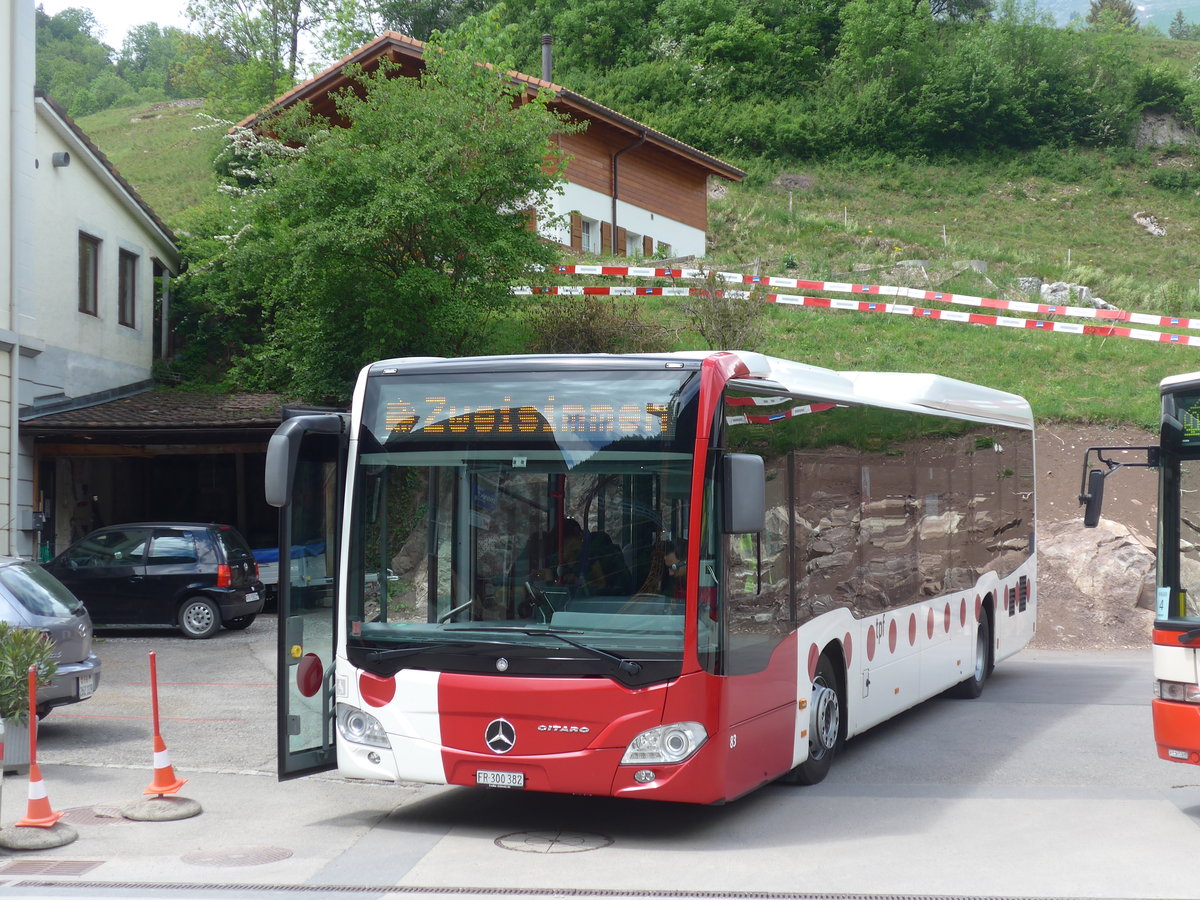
(824, 726)
(972, 687)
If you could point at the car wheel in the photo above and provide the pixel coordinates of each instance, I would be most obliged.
(240, 623)
(198, 618)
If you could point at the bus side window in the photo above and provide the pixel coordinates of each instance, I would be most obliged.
(758, 613)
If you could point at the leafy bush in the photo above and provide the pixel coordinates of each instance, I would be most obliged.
(21, 648)
(1169, 178)
(592, 324)
(727, 319)
(1159, 88)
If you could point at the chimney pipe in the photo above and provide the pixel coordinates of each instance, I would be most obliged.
(547, 57)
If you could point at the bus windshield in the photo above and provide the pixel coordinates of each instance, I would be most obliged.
(522, 523)
(1179, 510)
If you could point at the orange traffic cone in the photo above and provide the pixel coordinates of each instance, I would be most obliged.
(38, 814)
(164, 781)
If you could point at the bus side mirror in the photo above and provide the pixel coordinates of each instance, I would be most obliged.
(283, 452)
(745, 494)
(1094, 498)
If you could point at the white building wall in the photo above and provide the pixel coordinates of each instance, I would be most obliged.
(85, 354)
(684, 239)
(17, 249)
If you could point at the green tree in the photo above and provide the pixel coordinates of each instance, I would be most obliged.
(152, 58)
(259, 33)
(71, 59)
(398, 234)
(1112, 14)
(963, 10)
(1181, 30)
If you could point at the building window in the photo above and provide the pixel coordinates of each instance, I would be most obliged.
(590, 235)
(127, 296)
(89, 273)
(633, 244)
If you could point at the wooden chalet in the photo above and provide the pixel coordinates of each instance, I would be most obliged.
(631, 190)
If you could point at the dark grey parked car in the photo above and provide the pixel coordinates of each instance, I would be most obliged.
(33, 598)
(198, 577)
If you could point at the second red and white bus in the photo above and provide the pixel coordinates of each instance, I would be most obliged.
(669, 576)
(1176, 641)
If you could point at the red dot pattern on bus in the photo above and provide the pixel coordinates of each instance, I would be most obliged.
(376, 691)
(814, 653)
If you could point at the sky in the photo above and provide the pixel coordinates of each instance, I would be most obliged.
(118, 16)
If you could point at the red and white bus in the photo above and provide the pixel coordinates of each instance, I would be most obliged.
(1176, 704)
(671, 576)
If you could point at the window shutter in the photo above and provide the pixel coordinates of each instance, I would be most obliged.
(621, 249)
(577, 232)
(647, 246)
(606, 243)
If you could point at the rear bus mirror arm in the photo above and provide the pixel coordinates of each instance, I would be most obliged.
(1091, 486)
(283, 451)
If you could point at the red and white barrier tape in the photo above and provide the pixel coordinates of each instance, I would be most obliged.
(943, 315)
(837, 287)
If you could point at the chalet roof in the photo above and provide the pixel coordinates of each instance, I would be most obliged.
(408, 53)
(161, 416)
(140, 207)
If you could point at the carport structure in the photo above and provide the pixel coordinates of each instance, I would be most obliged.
(151, 455)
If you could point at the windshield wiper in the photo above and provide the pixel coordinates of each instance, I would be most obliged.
(399, 652)
(628, 666)
(625, 665)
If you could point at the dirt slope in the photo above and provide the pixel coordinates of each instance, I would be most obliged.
(1067, 618)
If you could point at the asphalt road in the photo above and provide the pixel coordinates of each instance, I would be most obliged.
(1047, 786)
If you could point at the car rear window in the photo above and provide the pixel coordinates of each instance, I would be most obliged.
(236, 550)
(38, 591)
(172, 548)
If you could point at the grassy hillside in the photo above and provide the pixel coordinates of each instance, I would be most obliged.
(158, 149)
(1057, 215)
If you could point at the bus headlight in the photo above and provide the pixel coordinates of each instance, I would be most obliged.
(360, 727)
(665, 744)
(1178, 691)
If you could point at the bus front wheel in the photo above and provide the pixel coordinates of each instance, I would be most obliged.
(824, 726)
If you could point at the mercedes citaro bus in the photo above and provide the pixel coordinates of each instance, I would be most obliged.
(670, 576)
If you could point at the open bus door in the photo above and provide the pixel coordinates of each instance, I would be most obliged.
(305, 474)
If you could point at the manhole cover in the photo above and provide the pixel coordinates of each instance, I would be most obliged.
(552, 841)
(237, 856)
(94, 815)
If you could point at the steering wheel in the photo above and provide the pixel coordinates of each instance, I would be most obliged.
(541, 601)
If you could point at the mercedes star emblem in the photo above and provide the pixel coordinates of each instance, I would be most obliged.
(500, 736)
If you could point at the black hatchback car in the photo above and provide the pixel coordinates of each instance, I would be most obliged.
(198, 577)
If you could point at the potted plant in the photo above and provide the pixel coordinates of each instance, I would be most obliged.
(20, 648)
